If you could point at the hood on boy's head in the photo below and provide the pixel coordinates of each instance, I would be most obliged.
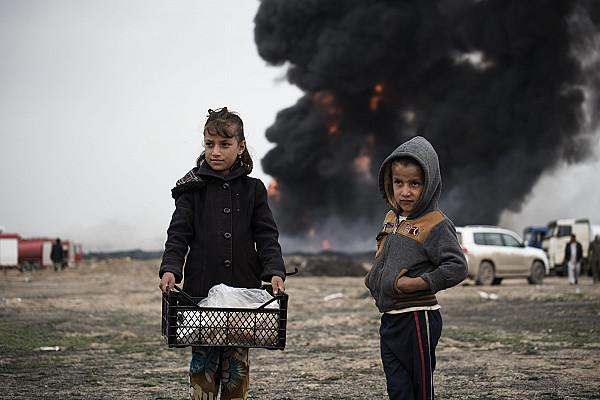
(423, 152)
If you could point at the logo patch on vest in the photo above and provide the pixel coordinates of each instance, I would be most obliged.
(413, 230)
(418, 229)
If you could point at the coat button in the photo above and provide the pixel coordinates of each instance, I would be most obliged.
(227, 235)
(227, 263)
(227, 210)
(226, 186)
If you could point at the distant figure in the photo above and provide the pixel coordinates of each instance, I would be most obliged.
(418, 255)
(573, 257)
(595, 258)
(57, 255)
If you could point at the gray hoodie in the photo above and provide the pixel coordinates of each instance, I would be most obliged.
(424, 245)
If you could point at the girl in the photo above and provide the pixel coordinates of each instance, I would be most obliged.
(223, 230)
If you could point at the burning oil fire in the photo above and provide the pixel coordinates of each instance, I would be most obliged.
(273, 192)
(487, 98)
(334, 114)
(377, 97)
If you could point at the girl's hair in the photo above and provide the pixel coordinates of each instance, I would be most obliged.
(227, 124)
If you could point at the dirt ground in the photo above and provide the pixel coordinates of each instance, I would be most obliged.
(509, 341)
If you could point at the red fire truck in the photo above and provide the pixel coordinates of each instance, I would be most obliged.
(72, 252)
(9, 250)
(33, 254)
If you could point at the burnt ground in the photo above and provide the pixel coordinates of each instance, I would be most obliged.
(536, 342)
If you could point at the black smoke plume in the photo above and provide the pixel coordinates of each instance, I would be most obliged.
(504, 89)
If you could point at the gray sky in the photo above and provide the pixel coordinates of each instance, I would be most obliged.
(102, 104)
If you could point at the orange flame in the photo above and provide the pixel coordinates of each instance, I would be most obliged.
(377, 97)
(334, 114)
(325, 244)
(273, 192)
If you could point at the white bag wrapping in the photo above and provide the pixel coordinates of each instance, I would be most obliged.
(226, 296)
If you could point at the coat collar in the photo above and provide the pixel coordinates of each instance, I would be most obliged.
(194, 179)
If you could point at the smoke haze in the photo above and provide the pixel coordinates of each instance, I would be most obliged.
(504, 90)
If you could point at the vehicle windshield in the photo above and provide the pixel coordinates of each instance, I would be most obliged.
(564, 230)
(550, 231)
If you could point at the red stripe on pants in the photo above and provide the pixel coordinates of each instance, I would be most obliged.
(422, 356)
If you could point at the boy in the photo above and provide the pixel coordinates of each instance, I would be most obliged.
(418, 255)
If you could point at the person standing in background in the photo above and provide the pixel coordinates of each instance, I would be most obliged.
(595, 258)
(57, 255)
(573, 257)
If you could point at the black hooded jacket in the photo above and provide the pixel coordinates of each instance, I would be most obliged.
(223, 230)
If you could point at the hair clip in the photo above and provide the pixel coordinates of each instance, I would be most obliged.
(218, 110)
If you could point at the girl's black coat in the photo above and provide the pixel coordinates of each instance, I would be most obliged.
(228, 227)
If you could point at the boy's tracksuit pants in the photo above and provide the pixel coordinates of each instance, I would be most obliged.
(408, 342)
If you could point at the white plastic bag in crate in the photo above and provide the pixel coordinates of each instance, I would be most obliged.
(230, 297)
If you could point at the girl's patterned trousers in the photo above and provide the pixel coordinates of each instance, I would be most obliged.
(212, 368)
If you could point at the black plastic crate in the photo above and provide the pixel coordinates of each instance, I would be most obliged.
(184, 323)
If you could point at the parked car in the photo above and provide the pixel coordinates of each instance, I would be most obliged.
(494, 253)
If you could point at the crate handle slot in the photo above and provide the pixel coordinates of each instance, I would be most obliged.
(186, 296)
(267, 303)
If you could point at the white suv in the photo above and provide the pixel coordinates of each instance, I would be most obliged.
(494, 253)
